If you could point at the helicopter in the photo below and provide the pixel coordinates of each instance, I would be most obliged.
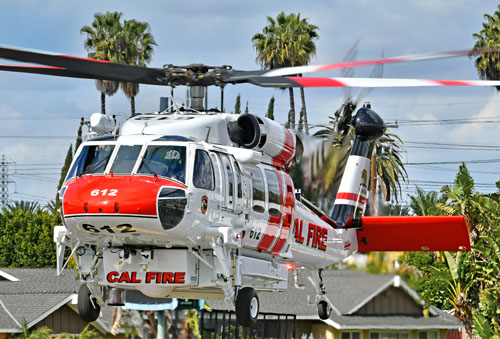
(195, 203)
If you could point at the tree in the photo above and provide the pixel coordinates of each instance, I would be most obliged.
(389, 164)
(246, 108)
(468, 283)
(286, 41)
(103, 43)
(237, 105)
(270, 109)
(64, 172)
(136, 43)
(488, 64)
(424, 203)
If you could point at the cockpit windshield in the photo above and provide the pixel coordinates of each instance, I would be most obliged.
(166, 161)
(92, 160)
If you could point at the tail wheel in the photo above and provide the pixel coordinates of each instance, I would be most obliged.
(247, 307)
(87, 311)
(324, 310)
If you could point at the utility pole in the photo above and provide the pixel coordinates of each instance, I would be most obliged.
(4, 180)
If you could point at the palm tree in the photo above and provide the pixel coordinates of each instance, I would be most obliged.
(488, 65)
(284, 42)
(424, 203)
(137, 49)
(389, 165)
(103, 43)
(24, 205)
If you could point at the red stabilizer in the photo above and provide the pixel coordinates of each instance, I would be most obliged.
(397, 233)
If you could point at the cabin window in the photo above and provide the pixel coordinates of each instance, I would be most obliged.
(125, 159)
(238, 180)
(165, 161)
(274, 193)
(93, 159)
(229, 179)
(258, 191)
(203, 173)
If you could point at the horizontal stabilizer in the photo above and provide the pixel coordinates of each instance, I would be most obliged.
(403, 233)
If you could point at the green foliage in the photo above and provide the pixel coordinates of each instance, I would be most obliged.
(237, 105)
(288, 40)
(26, 238)
(467, 282)
(246, 108)
(488, 64)
(424, 203)
(47, 333)
(301, 120)
(389, 165)
(270, 109)
(130, 43)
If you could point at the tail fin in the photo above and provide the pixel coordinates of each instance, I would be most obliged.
(352, 195)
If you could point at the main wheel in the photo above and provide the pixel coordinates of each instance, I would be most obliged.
(324, 310)
(87, 311)
(247, 307)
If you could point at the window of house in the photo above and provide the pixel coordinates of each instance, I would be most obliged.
(350, 335)
(428, 335)
(203, 172)
(258, 190)
(390, 335)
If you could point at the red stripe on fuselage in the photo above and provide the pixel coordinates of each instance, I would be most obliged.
(286, 152)
(273, 225)
(287, 216)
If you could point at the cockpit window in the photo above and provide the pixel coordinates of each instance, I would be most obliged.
(93, 159)
(165, 161)
(125, 159)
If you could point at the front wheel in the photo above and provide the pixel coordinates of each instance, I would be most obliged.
(87, 311)
(247, 307)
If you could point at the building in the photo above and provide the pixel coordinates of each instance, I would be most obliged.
(41, 298)
(366, 306)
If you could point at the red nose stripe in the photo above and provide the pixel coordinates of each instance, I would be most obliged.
(113, 195)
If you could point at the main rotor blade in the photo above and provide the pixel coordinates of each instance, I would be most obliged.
(242, 75)
(285, 82)
(45, 70)
(76, 66)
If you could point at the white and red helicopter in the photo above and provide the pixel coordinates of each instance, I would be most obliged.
(196, 203)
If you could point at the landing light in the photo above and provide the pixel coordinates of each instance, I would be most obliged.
(80, 250)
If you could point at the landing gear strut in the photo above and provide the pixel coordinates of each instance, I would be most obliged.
(88, 308)
(247, 307)
(324, 309)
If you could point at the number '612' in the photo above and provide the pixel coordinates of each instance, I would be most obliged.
(104, 192)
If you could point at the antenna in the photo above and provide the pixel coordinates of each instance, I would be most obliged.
(4, 180)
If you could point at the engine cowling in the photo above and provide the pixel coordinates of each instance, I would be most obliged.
(265, 135)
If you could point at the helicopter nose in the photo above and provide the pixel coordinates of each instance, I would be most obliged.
(129, 195)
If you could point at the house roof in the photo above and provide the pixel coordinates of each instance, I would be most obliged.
(33, 294)
(348, 290)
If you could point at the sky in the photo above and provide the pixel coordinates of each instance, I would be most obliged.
(219, 32)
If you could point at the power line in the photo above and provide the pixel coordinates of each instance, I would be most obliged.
(452, 162)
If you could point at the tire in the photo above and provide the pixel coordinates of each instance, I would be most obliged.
(87, 311)
(247, 307)
(324, 310)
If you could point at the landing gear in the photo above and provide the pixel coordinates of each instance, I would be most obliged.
(89, 309)
(324, 310)
(247, 307)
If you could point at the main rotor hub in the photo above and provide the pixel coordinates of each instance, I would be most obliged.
(195, 75)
